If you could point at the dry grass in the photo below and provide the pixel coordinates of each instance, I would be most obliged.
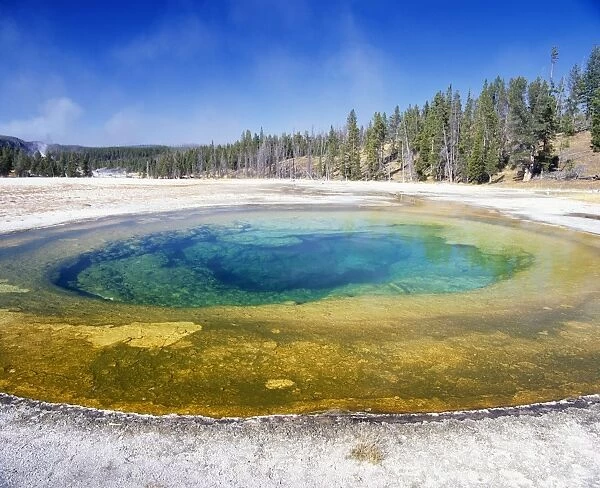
(577, 150)
(368, 452)
(548, 184)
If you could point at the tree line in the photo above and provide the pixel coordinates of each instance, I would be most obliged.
(450, 138)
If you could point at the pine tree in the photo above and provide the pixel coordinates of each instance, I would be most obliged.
(591, 81)
(543, 119)
(575, 87)
(553, 60)
(501, 108)
(72, 164)
(379, 136)
(393, 132)
(432, 138)
(596, 121)
(521, 137)
(6, 161)
(476, 163)
(423, 144)
(351, 156)
(48, 166)
(410, 130)
(36, 164)
(466, 136)
(371, 152)
(483, 160)
(453, 168)
(87, 172)
(22, 164)
(63, 164)
(489, 123)
(333, 148)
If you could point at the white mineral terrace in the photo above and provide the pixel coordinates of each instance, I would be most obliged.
(27, 203)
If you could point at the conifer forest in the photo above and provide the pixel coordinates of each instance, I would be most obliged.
(454, 137)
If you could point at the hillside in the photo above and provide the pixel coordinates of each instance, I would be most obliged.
(30, 147)
(575, 157)
(575, 150)
(579, 166)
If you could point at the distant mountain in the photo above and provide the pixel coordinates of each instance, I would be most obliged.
(30, 147)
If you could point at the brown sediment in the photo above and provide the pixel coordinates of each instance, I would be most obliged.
(530, 338)
(585, 216)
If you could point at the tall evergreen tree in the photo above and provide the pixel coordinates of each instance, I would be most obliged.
(333, 148)
(71, 167)
(63, 163)
(371, 152)
(451, 132)
(476, 163)
(543, 119)
(22, 164)
(36, 164)
(553, 61)
(410, 129)
(575, 85)
(465, 146)
(501, 108)
(432, 138)
(483, 161)
(489, 121)
(522, 139)
(6, 161)
(351, 157)
(393, 131)
(591, 80)
(423, 143)
(596, 121)
(379, 136)
(87, 171)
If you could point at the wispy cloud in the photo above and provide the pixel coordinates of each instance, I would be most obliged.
(359, 64)
(351, 72)
(56, 117)
(176, 37)
(125, 126)
(140, 125)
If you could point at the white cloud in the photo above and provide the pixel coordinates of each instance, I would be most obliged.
(137, 125)
(124, 127)
(179, 38)
(57, 116)
(321, 88)
(358, 65)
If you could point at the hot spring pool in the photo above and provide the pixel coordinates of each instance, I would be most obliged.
(245, 312)
(282, 261)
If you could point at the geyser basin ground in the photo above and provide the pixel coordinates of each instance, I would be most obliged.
(506, 313)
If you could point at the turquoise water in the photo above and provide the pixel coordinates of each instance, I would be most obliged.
(444, 315)
(255, 264)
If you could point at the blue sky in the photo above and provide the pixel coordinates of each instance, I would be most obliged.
(190, 72)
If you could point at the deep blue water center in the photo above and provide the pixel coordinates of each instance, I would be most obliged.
(240, 264)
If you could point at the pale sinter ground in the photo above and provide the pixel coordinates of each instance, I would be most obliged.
(54, 446)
